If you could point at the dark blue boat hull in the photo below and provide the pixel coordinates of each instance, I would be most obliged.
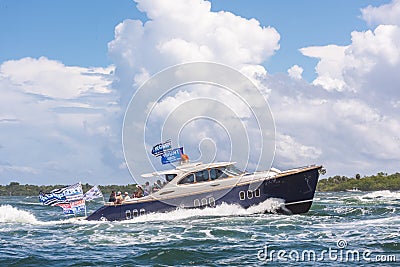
(296, 190)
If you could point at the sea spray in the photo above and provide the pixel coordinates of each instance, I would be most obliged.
(383, 194)
(9, 214)
(270, 205)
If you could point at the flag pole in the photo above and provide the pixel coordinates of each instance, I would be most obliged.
(85, 210)
(104, 201)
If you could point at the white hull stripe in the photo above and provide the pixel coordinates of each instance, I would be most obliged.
(299, 202)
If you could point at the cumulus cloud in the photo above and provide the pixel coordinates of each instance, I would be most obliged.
(50, 78)
(183, 31)
(353, 102)
(369, 64)
(384, 14)
(330, 67)
(295, 72)
(338, 129)
(56, 121)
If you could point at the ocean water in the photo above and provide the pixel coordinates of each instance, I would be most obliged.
(348, 228)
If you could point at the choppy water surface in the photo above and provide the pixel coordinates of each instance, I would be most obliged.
(357, 228)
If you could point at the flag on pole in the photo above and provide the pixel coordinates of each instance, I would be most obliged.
(172, 155)
(73, 207)
(74, 192)
(93, 193)
(51, 199)
(62, 195)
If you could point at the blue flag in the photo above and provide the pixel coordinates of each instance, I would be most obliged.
(160, 148)
(172, 155)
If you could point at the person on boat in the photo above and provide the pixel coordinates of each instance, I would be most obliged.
(126, 196)
(139, 192)
(147, 189)
(155, 188)
(112, 197)
(160, 185)
(119, 198)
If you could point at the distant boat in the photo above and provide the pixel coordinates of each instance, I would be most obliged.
(354, 189)
(198, 185)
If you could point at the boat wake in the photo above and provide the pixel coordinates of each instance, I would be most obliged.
(383, 195)
(270, 205)
(10, 214)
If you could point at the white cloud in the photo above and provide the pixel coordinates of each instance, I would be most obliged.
(384, 14)
(367, 64)
(339, 130)
(329, 69)
(293, 153)
(55, 121)
(186, 30)
(53, 79)
(18, 169)
(295, 72)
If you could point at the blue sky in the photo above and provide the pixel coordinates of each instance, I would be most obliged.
(74, 32)
(329, 70)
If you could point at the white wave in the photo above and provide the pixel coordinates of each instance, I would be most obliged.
(223, 210)
(383, 194)
(31, 203)
(9, 214)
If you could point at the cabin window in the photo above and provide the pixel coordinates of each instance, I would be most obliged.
(217, 174)
(170, 177)
(142, 211)
(128, 214)
(202, 176)
(249, 194)
(242, 195)
(188, 179)
(257, 193)
(196, 203)
(204, 201)
(211, 202)
(135, 213)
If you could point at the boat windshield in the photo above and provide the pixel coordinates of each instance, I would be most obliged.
(169, 177)
(232, 170)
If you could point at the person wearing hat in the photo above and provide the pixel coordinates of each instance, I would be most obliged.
(126, 196)
(118, 199)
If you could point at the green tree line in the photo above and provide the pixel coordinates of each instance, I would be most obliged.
(380, 181)
(17, 189)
